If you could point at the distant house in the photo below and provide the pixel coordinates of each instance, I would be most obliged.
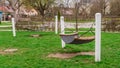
(7, 11)
(28, 12)
(68, 11)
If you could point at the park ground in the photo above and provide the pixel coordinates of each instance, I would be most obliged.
(32, 52)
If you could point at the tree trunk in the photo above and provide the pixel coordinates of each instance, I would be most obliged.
(76, 23)
(0, 21)
(42, 13)
(43, 19)
(76, 17)
(15, 16)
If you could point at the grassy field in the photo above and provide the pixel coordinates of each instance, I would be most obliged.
(33, 52)
(5, 23)
(6, 26)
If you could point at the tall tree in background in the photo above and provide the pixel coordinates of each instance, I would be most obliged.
(99, 6)
(115, 7)
(77, 5)
(40, 5)
(15, 4)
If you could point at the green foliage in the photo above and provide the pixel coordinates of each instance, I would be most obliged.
(39, 5)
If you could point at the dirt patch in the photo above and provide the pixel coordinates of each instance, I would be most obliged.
(8, 51)
(35, 35)
(70, 55)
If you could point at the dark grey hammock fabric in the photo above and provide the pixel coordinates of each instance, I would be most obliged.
(75, 39)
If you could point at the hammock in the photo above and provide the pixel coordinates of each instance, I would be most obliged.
(75, 39)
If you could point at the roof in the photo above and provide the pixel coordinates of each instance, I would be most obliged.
(6, 9)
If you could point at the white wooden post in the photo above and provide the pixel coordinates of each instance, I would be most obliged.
(56, 24)
(62, 29)
(98, 37)
(13, 27)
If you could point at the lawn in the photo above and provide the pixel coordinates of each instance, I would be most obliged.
(6, 26)
(5, 23)
(33, 52)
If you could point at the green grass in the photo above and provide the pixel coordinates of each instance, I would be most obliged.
(5, 23)
(5, 28)
(33, 52)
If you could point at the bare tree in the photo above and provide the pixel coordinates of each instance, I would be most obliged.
(115, 7)
(40, 5)
(15, 4)
(99, 6)
(77, 7)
